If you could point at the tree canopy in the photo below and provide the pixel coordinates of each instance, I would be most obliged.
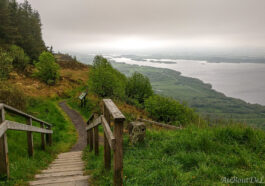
(48, 70)
(21, 25)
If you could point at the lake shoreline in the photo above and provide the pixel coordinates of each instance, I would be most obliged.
(243, 94)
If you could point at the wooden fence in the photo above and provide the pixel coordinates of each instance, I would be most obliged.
(163, 125)
(111, 117)
(45, 128)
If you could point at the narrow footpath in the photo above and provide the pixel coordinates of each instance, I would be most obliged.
(68, 168)
(80, 126)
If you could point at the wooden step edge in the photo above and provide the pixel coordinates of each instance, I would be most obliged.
(62, 169)
(58, 174)
(59, 180)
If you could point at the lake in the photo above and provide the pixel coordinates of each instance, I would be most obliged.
(245, 81)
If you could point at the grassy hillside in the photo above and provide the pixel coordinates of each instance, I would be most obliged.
(23, 168)
(41, 101)
(193, 156)
(210, 103)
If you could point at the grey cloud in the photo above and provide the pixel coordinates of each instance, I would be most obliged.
(68, 23)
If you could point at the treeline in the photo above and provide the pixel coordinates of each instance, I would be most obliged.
(108, 82)
(21, 46)
(20, 25)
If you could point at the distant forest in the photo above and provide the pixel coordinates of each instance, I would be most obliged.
(20, 25)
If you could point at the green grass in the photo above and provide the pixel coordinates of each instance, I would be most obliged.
(193, 156)
(213, 105)
(23, 168)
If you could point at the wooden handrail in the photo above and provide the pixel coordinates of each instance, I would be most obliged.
(94, 123)
(111, 141)
(108, 133)
(16, 111)
(12, 125)
(113, 110)
(22, 127)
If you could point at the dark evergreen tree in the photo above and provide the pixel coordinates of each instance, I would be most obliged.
(21, 25)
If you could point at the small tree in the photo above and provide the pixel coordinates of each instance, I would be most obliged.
(47, 69)
(138, 87)
(5, 64)
(21, 59)
(105, 80)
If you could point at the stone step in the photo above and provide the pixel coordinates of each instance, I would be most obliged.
(62, 181)
(58, 174)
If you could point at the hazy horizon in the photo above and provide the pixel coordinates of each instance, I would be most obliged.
(153, 26)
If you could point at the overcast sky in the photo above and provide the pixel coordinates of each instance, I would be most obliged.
(82, 25)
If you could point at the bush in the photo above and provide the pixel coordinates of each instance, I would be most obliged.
(21, 59)
(169, 110)
(12, 96)
(138, 87)
(105, 80)
(48, 70)
(5, 64)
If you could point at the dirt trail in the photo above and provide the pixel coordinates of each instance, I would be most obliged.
(79, 124)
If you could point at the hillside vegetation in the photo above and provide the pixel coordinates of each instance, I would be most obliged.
(193, 156)
(212, 105)
(205, 152)
(35, 97)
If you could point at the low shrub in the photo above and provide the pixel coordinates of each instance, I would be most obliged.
(169, 110)
(12, 96)
(5, 64)
(21, 59)
(47, 69)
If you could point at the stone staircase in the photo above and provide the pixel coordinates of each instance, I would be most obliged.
(66, 170)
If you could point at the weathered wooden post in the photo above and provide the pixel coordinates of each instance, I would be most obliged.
(4, 165)
(111, 109)
(49, 137)
(107, 152)
(87, 137)
(118, 150)
(43, 143)
(91, 140)
(30, 139)
(96, 140)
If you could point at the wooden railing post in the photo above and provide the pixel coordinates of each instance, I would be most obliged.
(91, 140)
(107, 150)
(30, 139)
(49, 137)
(87, 137)
(43, 143)
(4, 165)
(118, 152)
(96, 140)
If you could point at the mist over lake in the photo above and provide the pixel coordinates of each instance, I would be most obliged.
(239, 80)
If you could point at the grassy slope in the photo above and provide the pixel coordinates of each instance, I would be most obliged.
(23, 168)
(193, 156)
(44, 105)
(198, 95)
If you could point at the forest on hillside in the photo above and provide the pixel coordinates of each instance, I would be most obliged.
(20, 25)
